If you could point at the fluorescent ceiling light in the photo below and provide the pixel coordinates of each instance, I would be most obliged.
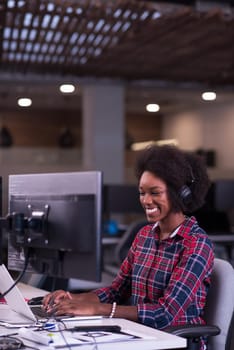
(67, 88)
(152, 107)
(24, 102)
(209, 96)
(138, 146)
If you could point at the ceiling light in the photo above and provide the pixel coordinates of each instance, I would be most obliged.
(138, 146)
(209, 96)
(152, 107)
(24, 102)
(67, 88)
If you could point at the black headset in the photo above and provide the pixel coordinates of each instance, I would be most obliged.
(185, 193)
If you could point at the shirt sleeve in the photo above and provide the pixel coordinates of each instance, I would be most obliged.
(120, 289)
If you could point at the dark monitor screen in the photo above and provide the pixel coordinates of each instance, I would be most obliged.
(224, 194)
(57, 218)
(1, 196)
(121, 199)
(1, 231)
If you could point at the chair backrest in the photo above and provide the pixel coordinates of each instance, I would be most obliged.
(220, 304)
(126, 240)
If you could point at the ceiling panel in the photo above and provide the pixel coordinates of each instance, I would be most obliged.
(164, 43)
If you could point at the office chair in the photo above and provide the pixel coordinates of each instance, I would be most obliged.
(218, 312)
(126, 240)
(219, 309)
(123, 245)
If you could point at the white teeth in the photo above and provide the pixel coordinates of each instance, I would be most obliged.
(151, 211)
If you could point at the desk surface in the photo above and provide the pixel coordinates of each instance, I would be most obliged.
(110, 240)
(30, 291)
(222, 238)
(151, 339)
(216, 238)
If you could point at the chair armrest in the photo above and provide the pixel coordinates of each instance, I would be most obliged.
(193, 330)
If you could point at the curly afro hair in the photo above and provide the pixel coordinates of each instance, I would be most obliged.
(183, 172)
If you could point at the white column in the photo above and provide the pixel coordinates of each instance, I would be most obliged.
(103, 119)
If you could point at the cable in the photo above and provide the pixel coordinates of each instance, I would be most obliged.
(95, 347)
(58, 270)
(60, 330)
(63, 336)
(2, 295)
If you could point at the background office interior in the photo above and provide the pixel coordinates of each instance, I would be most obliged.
(132, 53)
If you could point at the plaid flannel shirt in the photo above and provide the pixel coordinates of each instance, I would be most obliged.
(167, 280)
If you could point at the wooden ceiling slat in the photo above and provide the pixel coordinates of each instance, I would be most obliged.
(169, 48)
(136, 46)
(182, 45)
(2, 26)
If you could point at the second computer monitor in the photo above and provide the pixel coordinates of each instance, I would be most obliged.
(56, 218)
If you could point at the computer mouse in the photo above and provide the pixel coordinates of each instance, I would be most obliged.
(35, 301)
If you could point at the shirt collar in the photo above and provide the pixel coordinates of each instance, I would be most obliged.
(173, 234)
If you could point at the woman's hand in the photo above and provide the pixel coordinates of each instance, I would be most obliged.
(54, 298)
(74, 307)
(61, 300)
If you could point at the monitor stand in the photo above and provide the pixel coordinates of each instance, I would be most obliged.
(53, 283)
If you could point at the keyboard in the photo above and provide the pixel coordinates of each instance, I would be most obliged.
(39, 312)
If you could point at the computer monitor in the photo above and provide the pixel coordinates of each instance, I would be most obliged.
(121, 199)
(57, 218)
(1, 196)
(224, 194)
(1, 231)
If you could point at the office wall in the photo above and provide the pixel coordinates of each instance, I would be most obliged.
(40, 127)
(210, 128)
(35, 146)
(36, 149)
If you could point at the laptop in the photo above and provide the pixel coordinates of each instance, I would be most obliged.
(15, 300)
(20, 311)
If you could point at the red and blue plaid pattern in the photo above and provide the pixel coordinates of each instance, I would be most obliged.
(167, 280)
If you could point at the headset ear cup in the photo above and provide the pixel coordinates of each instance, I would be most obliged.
(185, 194)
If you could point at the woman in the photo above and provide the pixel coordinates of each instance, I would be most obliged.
(165, 277)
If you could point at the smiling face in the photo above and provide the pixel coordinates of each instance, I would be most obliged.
(154, 197)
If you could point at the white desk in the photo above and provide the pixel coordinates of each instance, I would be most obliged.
(222, 238)
(30, 291)
(110, 240)
(151, 339)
